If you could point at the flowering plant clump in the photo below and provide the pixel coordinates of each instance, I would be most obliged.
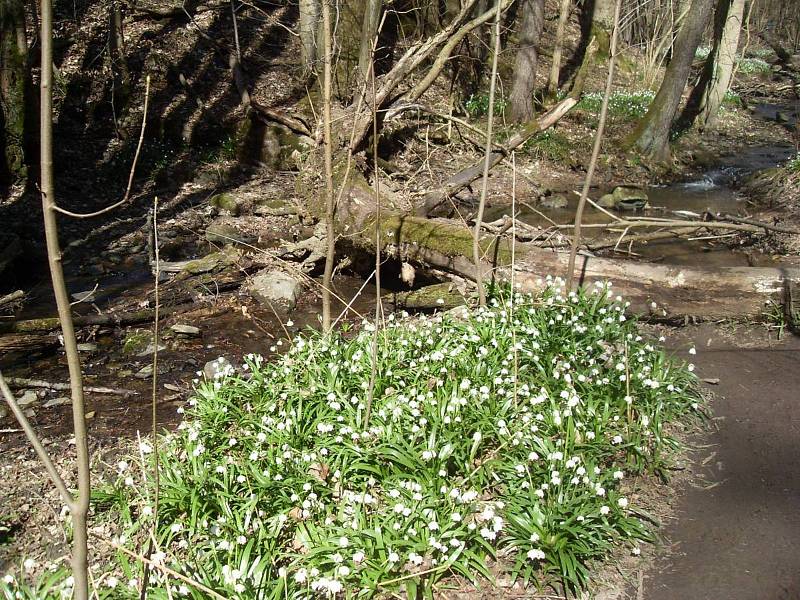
(623, 105)
(507, 432)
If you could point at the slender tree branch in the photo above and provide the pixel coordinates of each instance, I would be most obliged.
(476, 236)
(66, 496)
(130, 176)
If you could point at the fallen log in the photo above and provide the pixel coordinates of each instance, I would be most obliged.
(12, 298)
(22, 382)
(27, 342)
(676, 292)
(110, 318)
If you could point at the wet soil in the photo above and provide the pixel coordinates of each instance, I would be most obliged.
(734, 534)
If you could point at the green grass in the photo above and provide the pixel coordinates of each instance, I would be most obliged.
(477, 105)
(551, 145)
(510, 433)
(793, 164)
(621, 105)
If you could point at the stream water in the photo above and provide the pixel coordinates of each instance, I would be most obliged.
(712, 191)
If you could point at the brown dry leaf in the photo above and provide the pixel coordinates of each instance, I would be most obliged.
(319, 471)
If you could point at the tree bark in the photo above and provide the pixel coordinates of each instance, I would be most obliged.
(706, 98)
(530, 32)
(651, 135)
(369, 29)
(558, 47)
(310, 17)
(13, 77)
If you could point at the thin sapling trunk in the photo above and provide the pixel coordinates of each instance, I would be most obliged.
(476, 236)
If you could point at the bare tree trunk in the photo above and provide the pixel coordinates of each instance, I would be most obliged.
(13, 77)
(708, 94)
(555, 67)
(80, 507)
(119, 65)
(598, 44)
(530, 32)
(310, 14)
(651, 136)
(369, 29)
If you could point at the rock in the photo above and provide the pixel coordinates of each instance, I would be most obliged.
(226, 202)
(185, 329)
(3, 412)
(222, 231)
(214, 369)
(148, 351)
(607, 201)
(628, 197)
(274, 208)
(275, 287)
(83, 296)
(146, 372)
(136, 341)
(87, 347)
(554, 201)
(60, 401)
(212, 262)
(271, 145)
(27, 398)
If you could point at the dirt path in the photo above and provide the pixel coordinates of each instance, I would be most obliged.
(736, 529)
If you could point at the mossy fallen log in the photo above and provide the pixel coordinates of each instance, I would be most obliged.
(663, 292)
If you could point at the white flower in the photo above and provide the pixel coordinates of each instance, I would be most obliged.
(112, 582)
(343, 571)
(344, 542)
(604, 510)
(145, 448)
(618, 474)
(334, 587)
(636, 551)
(301, 576)
(9, 578)
(358, 557)
(393, 557)
(535, 554)
(692, 350)
(623, 502)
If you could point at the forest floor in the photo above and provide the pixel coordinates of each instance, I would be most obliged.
(747, 482)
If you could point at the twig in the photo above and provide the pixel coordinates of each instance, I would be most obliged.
(164, 569)
(130, 176)
(761, 224)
